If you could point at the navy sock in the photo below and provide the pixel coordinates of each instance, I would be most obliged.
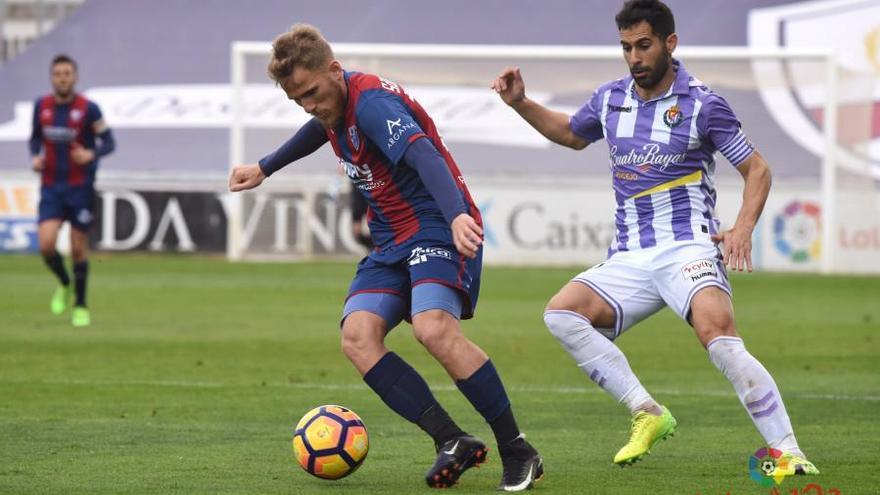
(406, 393)
(486, 392)
(80, 274)
(56, 264)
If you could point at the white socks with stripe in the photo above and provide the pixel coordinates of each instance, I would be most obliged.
(756, 390)
(600, 359)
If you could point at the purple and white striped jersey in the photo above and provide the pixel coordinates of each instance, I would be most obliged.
(661, 157)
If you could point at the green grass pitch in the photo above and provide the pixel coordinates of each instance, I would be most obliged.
(195, 370)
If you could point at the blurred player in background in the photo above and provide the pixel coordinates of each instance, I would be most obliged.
(663, 127)
(69, 136)
(428, 257)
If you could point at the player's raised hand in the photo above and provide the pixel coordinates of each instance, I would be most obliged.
(37, 163)
(510, 86)
(244, 177)
(467, 235)
(81, 155)
(736, 247)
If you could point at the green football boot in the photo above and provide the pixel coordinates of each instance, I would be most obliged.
(792, 464)
(647, 430)
(61, 299)
(81, 317)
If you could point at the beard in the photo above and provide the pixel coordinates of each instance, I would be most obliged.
(63, 93)
(653, 76)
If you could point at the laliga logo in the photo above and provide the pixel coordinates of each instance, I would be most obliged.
(796, 231)
(763, 464)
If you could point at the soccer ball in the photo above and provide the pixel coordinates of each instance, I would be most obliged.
(768, 467)
(330, 442)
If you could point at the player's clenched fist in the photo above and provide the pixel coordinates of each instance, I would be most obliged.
(467, 235)
(510, 86)
(37, 163)
(245, 177)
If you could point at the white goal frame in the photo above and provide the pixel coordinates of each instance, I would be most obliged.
(241, 49)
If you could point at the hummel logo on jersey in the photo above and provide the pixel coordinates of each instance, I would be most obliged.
(451, 451)
(615, 108)
(391, 125)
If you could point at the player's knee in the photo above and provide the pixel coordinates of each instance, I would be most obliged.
(435, 330)
(563, 324)
(360, 338)
(79, 255)
(47, 250)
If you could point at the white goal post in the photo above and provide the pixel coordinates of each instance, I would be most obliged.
(373, 57)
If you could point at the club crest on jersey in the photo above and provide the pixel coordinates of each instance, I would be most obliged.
(353, 138)
(46, 114)
(673, 116)
(75, 115)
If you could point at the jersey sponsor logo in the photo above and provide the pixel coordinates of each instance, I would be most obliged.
(698, 270)
(650, 155)
(361, 176)
(353, 137)
(421, 255)
(397, 131)
(673, 116)
(392, 124)
(616, 108)
(390, 85)
(59, 134)
(626, 175)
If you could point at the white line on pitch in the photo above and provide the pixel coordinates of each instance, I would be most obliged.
(445, 388)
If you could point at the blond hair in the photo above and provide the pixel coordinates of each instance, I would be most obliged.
(303, 46)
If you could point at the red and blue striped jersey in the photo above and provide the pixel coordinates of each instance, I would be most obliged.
(55, 128)
(379, 123)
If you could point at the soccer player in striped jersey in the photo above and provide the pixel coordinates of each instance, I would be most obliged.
(69, 136)
(426, 265)
(663, 127)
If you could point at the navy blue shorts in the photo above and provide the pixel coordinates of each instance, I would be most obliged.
(420, 261)
(75, 204)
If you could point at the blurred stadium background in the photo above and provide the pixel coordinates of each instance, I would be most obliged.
(183, 346)
(161, 73)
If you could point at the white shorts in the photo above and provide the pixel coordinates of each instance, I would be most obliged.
(637, 284)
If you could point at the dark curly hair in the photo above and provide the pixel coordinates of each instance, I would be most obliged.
(655, 12)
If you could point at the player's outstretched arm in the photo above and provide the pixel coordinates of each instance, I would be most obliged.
(737, 242)
(244, 177)
(553, 125)
(306, 141)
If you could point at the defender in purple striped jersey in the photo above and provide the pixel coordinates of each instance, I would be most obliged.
(426, 265)
(663, 127)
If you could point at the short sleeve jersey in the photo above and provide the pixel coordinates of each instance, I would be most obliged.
(661, 156)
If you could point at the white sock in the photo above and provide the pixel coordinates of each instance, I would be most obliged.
(756, 390)
(600, 359)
